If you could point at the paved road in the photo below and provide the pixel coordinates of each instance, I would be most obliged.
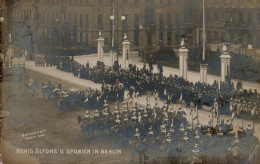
(52, 71)
(30, 114)
(192, 76)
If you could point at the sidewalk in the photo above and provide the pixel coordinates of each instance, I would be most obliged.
(54, 72)
(192, 76)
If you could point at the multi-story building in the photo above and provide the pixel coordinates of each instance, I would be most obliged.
(147, 22)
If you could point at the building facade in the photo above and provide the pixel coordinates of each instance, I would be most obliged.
(147, 22)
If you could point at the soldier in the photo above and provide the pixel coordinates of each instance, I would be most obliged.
(249, 130)
(87, 116)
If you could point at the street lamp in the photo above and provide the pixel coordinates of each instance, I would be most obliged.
(112, 18)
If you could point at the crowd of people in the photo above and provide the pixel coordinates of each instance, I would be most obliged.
(168, 133)
(12, 71)
(139, 81)
(72, 99)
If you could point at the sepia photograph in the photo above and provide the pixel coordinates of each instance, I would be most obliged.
(129, 81)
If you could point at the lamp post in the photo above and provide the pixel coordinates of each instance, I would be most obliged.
(112, 18)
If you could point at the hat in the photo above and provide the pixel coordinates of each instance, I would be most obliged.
(136, 133)
(150, 131)
(182, 127)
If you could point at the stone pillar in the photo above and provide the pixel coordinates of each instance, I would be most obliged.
(10, 51)
(225, 64)
(112, 58)
(203, 71)
(101, 42)
(126, 52)
(183, 57)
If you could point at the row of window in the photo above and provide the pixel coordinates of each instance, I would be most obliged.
(241, 17)
(105, 1)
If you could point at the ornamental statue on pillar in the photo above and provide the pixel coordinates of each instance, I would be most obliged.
(225, 63)
(100, 49)
(126, 51)
(183, 59)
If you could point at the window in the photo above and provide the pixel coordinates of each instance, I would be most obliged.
(232, 16)
(169, 19)
(43, 17)
(224, 16)
(161, 20)
(69, 17)
(80, 37)
(177, 18)
(177, 37)
(100, 22)
(216, 36)
(52, 18)
(223, 37)
(232, 34)
(136, 38)
(86, 38)
(208, 36)
(80, 20)
(250, 39)
(161, 37)
(75, 18)
(169, 38)
(136, 21)
(250, 18)
(215, 16)
(258, 18)
(208, 15)
(187, 15)
(86, 20)
(240, 17)
(240, 37)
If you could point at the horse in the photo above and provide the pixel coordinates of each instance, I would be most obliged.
(86, 127)
(47, 90)
(63, 105)
(30, 86)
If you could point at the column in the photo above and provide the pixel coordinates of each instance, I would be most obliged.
(183, 57)
(203, 71)
(101, 42)
(126, 52)
(225, 64)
